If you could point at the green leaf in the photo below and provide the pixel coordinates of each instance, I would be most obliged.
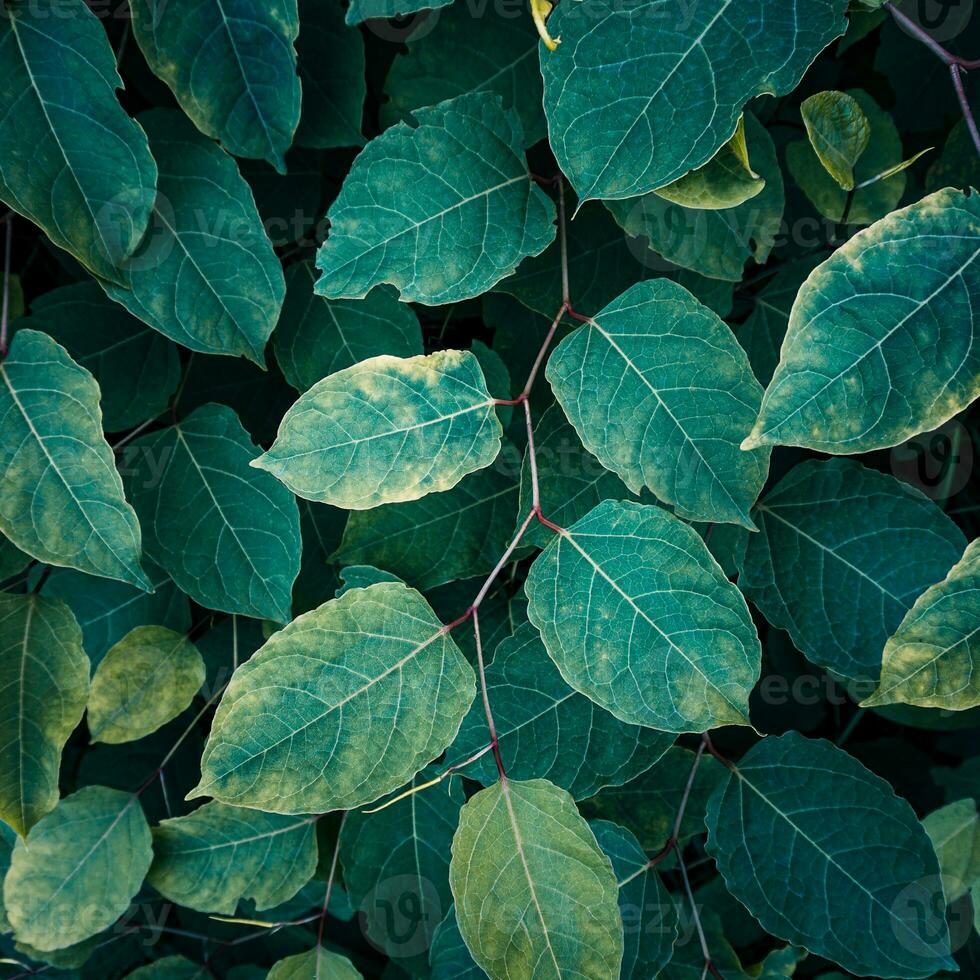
(396, 863)
(314, 964)
(876, 192)
(361, 576)
(448, 956)
(824, 854)
(547, 730)
(205, 274)
(873, 552)
(61, 499)
(331, 71)
(649, 916)
(761, 333)
(636, 98)
(889, 318)
(955, 834)
(839, 132)
(44, 684)
(218, 855)
(345, 704)
(387, 430)
(228, 535)
(136, 368)
(362, 10)
(648, 805)
(534, 894)
(638, 616)
(716, 244)
(316, 337)
(149, 677)
(659, 390)
(232, 67)
(442, 209)
(13, 561)
(933, 658)
(725, 181)
(168, 968)
(440, 538)
(108, 610)
(470, 50)
(78, 869)
(956, 167)
(59, 102)
(571, 480)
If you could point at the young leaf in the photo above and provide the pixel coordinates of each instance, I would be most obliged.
(78, 869)
(316, 337)
(825, 855)
(648, 805)
(44, 684)
(205, 274)
(659, 390)
(716, 244)
(441, 537)
(232, 67)
(955, 834)
(725, 181)
(473, 49)
(534, 894)
(839, 132)
(933, 658)
(387, 430)
(636, 98)
(228, 536)
(136, 368)
(647, 909)
(218, 855)
(873, 552)
(150, 676)
(547, 730)
(61, 498)
(345, 704)
(443, 210)
(71, 160)
(315, 964)
(888, 316)
(331, 71)
(398, 859)
(638, 617)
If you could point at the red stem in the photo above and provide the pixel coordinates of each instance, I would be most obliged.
(956, 73)
(486, 698)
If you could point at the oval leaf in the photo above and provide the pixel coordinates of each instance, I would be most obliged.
(889, 317)
(824, 854)
(61, 499)
(839, 131)
(150, 676)
(639, 617)
(387, 430)
(443, 210)
(44, 685)
(345, 704)
(523, 851)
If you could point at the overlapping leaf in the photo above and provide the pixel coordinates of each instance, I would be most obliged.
(515, 841)
(345, 704)
(58, 101)
(873, 552)
(638, 616)
(44, 682)
(955, 834)
(660, 391)
(232, 66)
(61, 498)
(882, 338)
(808, 839)
(637, 95)
(839, 132)
(442, 210)
(228, 535)
(387, 430)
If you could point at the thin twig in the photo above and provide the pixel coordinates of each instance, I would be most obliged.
(956, 73)
(709, 966)
(486, 698)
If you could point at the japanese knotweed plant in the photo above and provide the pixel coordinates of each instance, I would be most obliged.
(555, 562)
